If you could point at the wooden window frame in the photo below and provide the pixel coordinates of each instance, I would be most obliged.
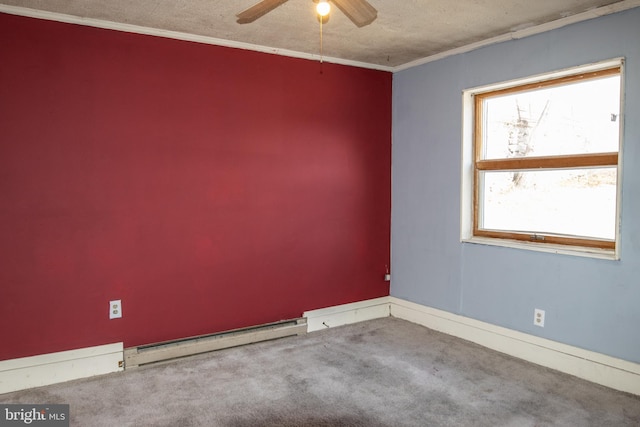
(578, 161)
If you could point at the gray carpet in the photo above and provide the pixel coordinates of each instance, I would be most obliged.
(385, 372)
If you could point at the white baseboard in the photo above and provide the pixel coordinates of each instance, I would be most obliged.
(598, 368)
(347, 313)
(618, 374)
(46, 369)
(595, 367)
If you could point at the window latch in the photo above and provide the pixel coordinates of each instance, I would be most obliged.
(536, 238)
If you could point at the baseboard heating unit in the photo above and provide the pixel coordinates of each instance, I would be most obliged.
(167, 350)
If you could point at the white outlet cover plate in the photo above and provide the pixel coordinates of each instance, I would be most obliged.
(538, 317)
(115, 309)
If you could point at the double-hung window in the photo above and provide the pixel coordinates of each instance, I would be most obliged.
(542, 161)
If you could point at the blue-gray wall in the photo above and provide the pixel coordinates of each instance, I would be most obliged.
(590, 303)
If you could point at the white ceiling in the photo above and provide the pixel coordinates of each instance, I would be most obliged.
(405, 32)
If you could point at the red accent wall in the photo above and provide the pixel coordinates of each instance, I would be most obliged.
(209, 188)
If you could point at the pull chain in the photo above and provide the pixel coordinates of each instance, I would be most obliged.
(321, 53)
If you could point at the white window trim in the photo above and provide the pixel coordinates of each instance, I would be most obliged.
(467, 176)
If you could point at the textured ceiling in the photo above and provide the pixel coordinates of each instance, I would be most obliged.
(404, 32)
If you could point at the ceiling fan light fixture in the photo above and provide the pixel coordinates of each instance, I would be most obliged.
(360, 12)
(323, 8)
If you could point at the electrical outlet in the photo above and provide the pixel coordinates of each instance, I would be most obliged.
(115, 309)
(538, 317)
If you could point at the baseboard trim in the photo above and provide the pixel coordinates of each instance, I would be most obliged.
(347, 313)
(618, 374)
(598, 368)
(46, 369)
(595, 367)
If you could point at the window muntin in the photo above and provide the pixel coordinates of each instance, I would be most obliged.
(546, 160)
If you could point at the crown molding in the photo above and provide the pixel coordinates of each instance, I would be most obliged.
(177, 35)
(526, 32)
(137, 29)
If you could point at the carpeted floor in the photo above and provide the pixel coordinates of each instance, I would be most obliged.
(385, 372)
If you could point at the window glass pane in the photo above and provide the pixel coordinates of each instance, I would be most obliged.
(576, 118)
(573, 202)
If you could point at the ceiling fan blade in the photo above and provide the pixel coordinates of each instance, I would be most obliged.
(359, 11)
(258, 10)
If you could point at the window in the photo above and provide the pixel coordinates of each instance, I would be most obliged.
(542, 160)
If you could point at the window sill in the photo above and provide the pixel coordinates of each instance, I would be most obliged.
(607, 254)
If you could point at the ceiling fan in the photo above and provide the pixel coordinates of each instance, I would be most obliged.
(360, 12)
